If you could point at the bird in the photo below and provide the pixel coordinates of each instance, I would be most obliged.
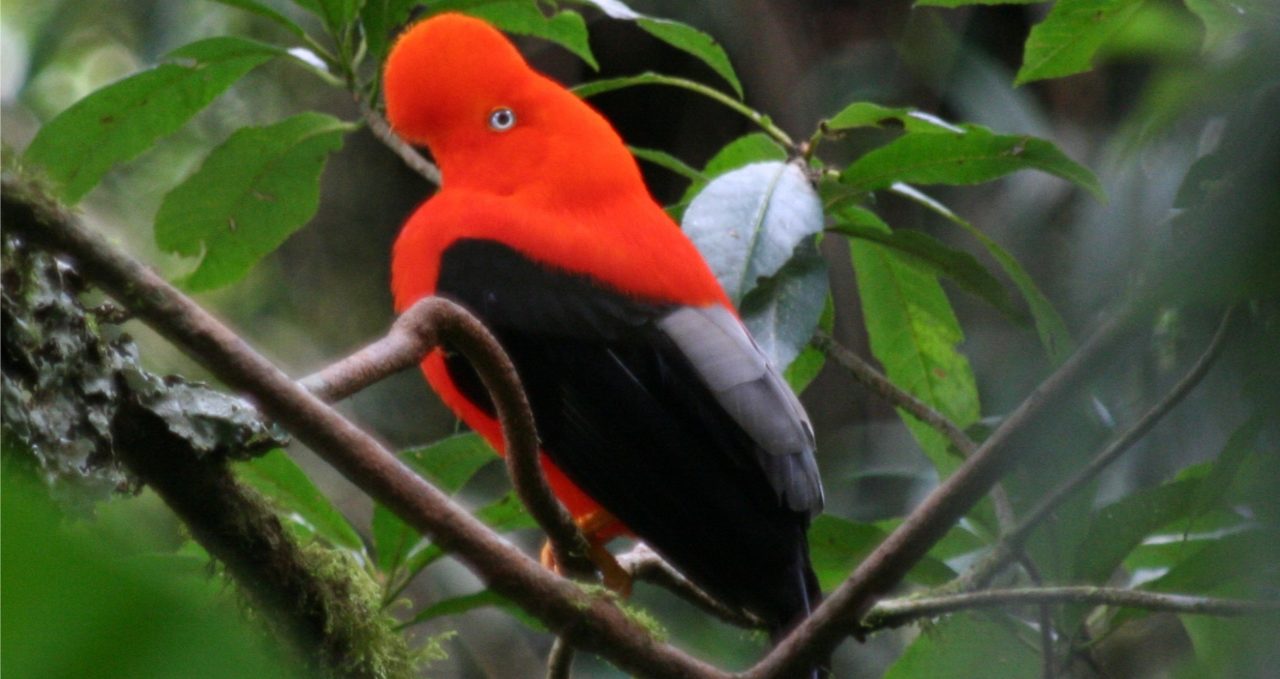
(659, 416)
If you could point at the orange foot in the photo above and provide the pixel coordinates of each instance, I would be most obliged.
(598, 527)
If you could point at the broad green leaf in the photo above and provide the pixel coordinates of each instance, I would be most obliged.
(976, 156)
(1054, 336)
(251, 193)
(968, 646)
(929, 253)
(1222, 474)
(392, 541)
(695, 42)
(525, 17)
(680, 36)
(1243, 647)
(1065, 42)
(837, 546)
(1224, 19)
(255, 7)
(782, 312)
(669, 162)
(748, 222)
(914, 333)
(449, 463)
(284, 483)
(866, 114)
(121, 120)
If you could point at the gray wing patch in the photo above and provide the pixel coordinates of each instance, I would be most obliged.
(750, 389)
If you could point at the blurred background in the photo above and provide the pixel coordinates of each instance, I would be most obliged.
(325, 292)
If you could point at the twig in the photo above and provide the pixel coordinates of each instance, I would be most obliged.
(642, 563)
(873, 379)
(1012, 541)
(560, 660)
(877, 382)
(590, 622)
(839, 615)
(378, 125)
(896, 612)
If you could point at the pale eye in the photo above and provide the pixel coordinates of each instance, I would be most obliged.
(502, 119)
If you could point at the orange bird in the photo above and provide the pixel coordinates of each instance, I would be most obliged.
(658, 414)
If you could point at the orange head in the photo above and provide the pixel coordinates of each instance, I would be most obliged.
(459, 86)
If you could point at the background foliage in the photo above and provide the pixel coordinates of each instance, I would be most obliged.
(206, 135)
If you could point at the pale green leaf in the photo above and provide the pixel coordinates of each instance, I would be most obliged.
(287, 487)
(1066, 41)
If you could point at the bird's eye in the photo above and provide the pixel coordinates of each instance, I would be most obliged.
(502, 119)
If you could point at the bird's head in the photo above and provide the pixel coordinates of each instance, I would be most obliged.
(457, 85)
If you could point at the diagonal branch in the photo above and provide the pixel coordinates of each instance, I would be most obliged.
(1012, 541)
(840, 614)
(590, 622)
(378, 125)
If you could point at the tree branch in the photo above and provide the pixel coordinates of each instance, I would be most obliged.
(1012, 541)
(642, 563)
(896, 612)
(380, 129)
(839, 615)
(589, 622)
(420, 329)
(560, 660)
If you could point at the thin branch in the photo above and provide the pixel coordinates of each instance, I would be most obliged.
(378, 125)
(878, 383)
(839, 615)
(642, 563)
(560, 660)
(1003, 554)
(874, 380)
(590, 622)
(896, 612)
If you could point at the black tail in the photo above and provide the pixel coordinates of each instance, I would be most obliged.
(808, 596)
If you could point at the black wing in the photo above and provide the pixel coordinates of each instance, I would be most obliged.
(643, 420)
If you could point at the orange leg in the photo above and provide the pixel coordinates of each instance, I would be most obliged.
(598, 527)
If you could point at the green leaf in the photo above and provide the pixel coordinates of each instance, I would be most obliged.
(974, 157)
(1054, 336)
(525, 17)
(750, 148)
(748, 222)
(121, 120)
(930, 254)
(504, 515)
(837, 546)
(392, 541)
(913, 332)
(1065, 42)
(695, 42)
(251, 193)
(967, 646)
(866, 114)
(680, 36)
(449, 463)
(255, 7)
(284, 483)
(782, 312)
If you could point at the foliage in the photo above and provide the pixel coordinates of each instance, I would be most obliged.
(759, 209)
